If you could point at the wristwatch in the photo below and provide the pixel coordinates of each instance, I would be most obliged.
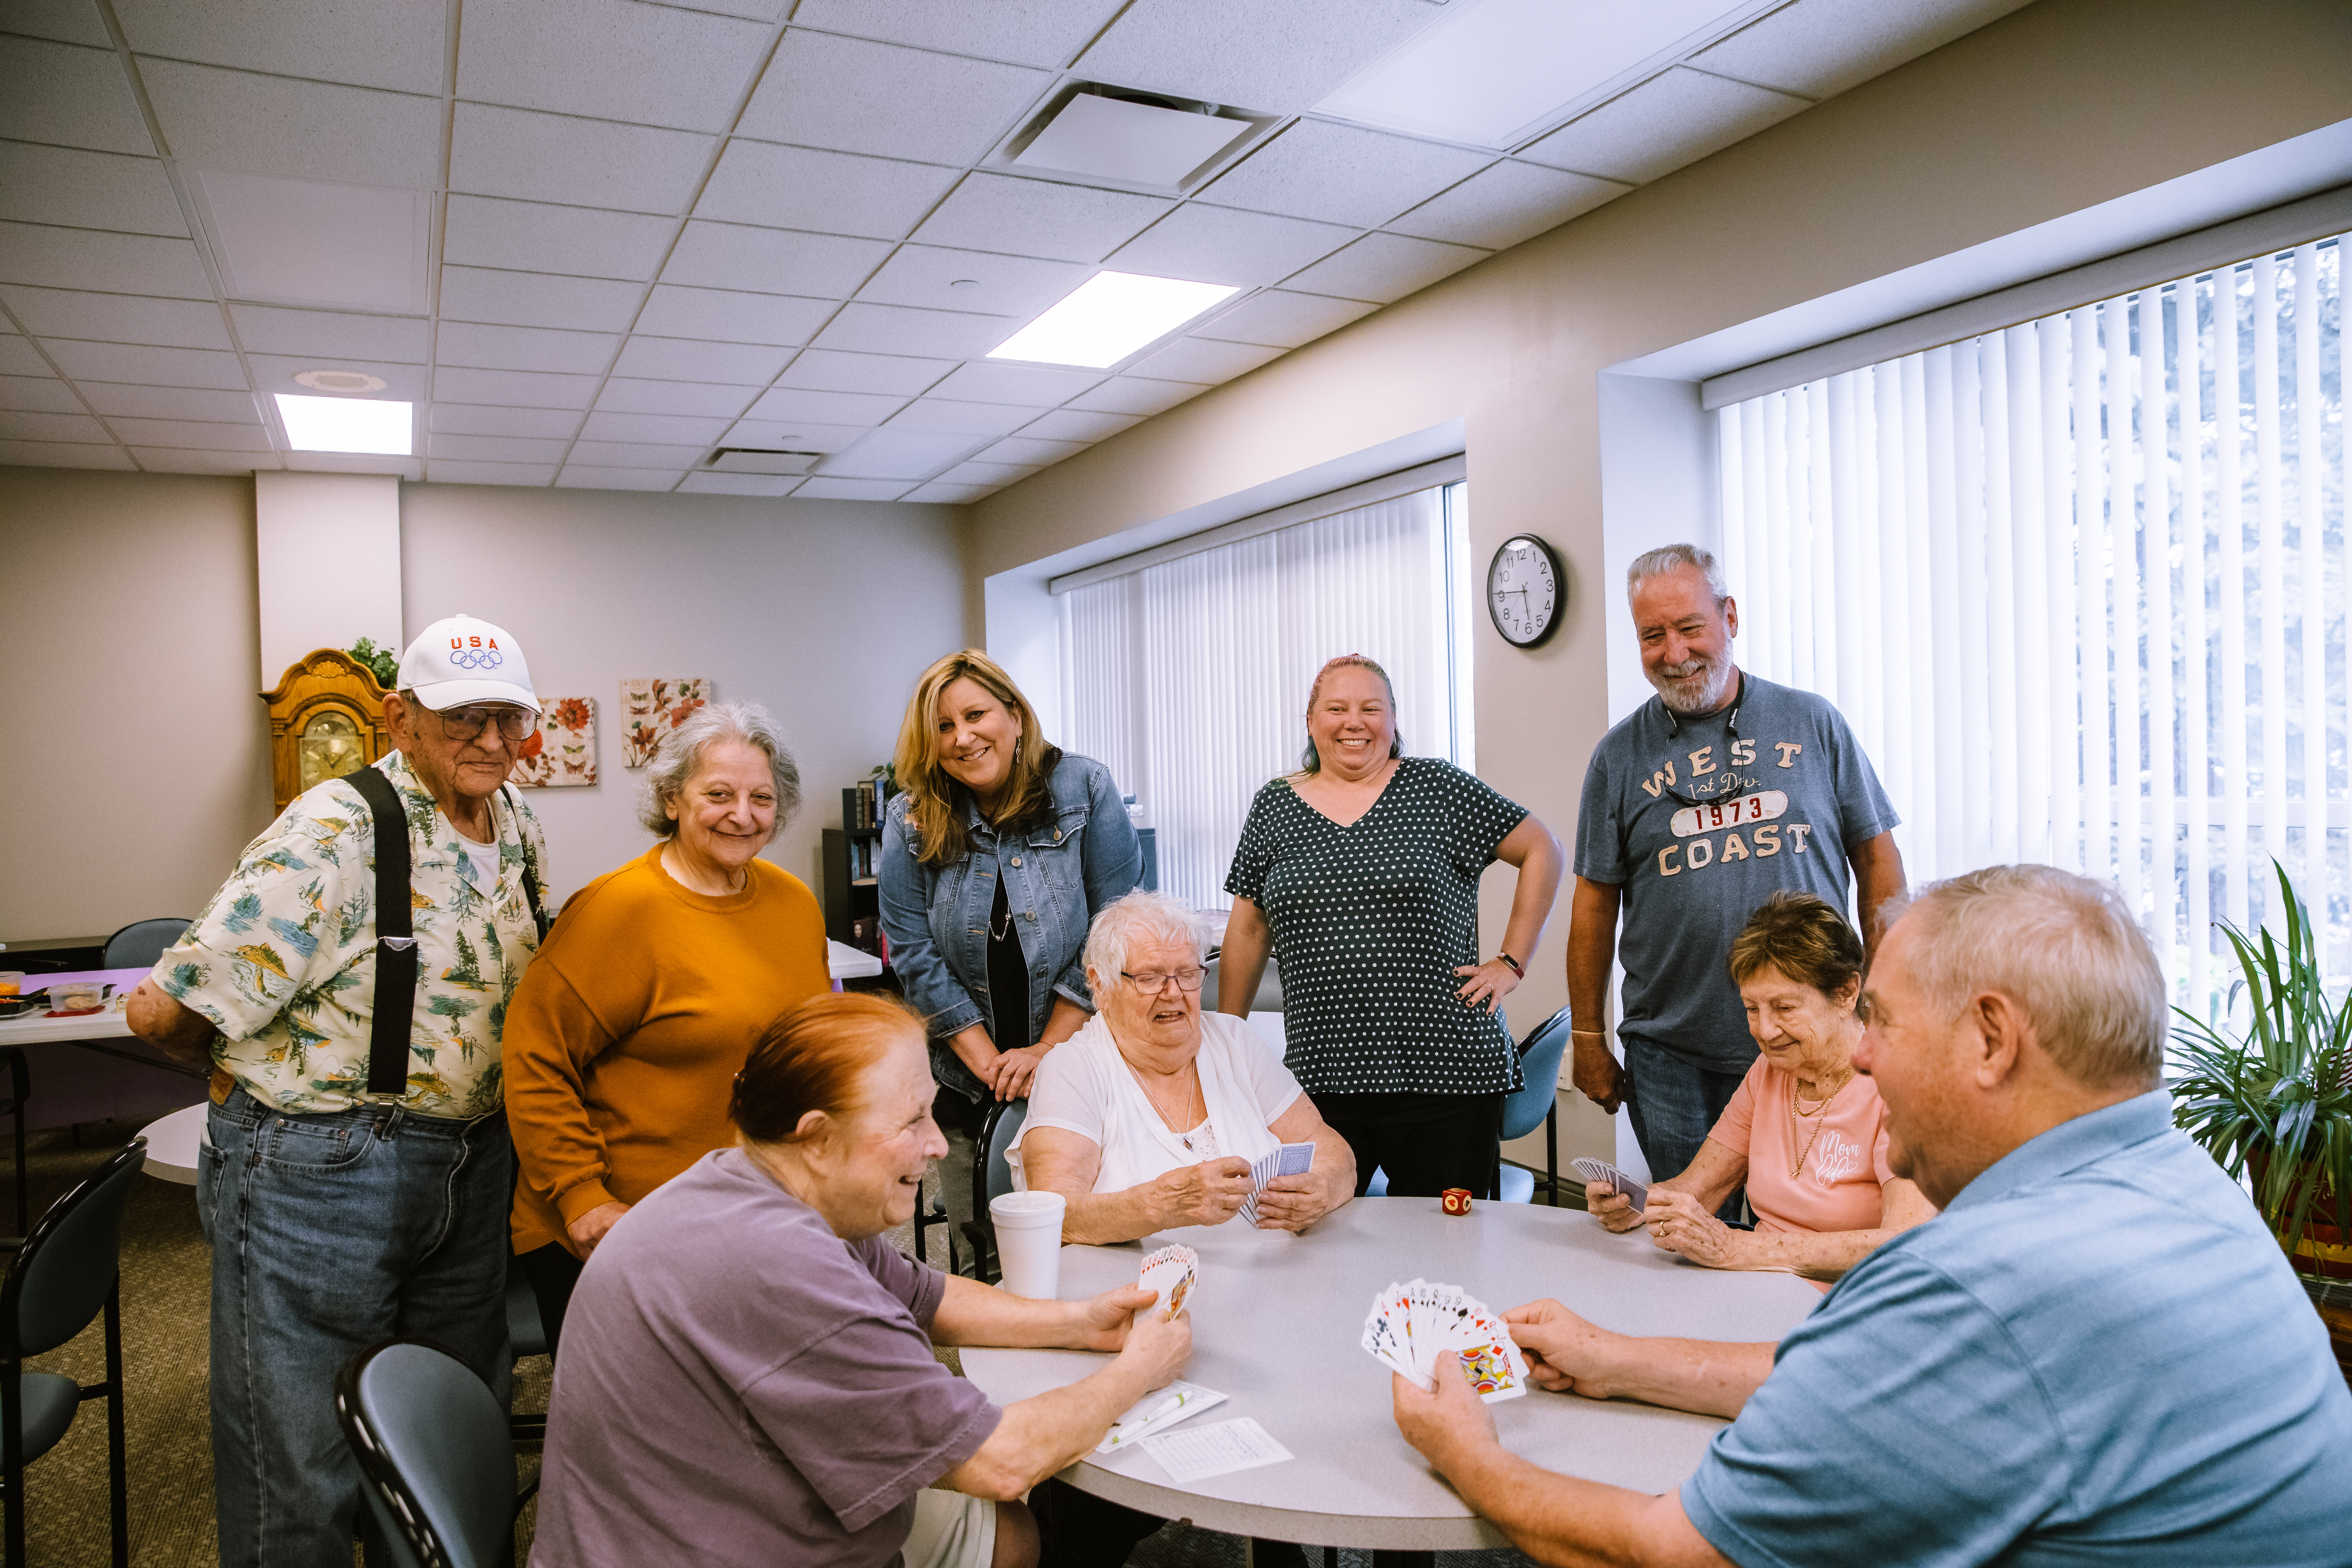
(1513, 962)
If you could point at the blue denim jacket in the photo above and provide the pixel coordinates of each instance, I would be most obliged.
(1057, 877)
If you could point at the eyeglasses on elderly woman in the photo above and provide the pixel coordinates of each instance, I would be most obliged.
(1151, 982)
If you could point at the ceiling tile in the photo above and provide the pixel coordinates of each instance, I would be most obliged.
(1284, 319)
(1385, 266)
(989, 474)
(948, 495)
(264, 329)
(171, 401)
(517, 387)
(826, 407)
(1821, 47)
(23, 425)
(1223, 245)
(538, 300)
(87, 190)
(547, 449)
(17, 357)
(1205, 360)
(1499, 206)
(67, 21)
(537, 157)
(1133, 395)
(586, 479)
(38, 394)
(1038, 217)
(274, 373)
(63, 455)
(115, 263)
(740, 484)
(1018, 450)
(823, 488)
(524, 348)
(529, 237)
(822, 90)
(1039, 386)
(446, 471)
(410, 469)
(649, 65)
(758, 10)
(317, 243)
(1676, 117)
(466, 418)
(402, 47)
(703, 400)
(117, 318)
(274, 125)
(639, 454)
(684, 359)
(931, 278)
(191, 460)
(772, 435)
(1276, 54)
(1341, 174)
(971, 419)
(831, 193)
(61, 94)
(673, 430)
(895, 329)
(828, 370)
(207, 436)
(726, 315)
(1074, 425)
(1029, 32)
(161, 366)
(772, 261)
(904, 454)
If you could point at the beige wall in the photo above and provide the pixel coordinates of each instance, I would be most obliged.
(2063, 105)
(135, 764)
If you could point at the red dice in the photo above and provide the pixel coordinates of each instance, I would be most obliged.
(1457, 1200)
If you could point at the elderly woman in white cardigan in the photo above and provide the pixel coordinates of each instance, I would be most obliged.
(1151, 1116)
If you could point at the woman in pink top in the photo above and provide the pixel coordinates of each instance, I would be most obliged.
(1805, 1132)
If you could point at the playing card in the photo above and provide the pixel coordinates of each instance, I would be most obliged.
(1415, 1327)
(1290, 1160)
(1169, 1273)
(1295, 1160)
(1593, 1169)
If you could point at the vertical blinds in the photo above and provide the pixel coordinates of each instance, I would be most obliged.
(2079, 585)
(1188, 679)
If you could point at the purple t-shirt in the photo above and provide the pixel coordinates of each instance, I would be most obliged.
(739, 1386)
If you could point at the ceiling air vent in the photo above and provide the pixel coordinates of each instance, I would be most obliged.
(1111, 135)
(752, 460)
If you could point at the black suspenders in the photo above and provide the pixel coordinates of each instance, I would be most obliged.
(395, 939)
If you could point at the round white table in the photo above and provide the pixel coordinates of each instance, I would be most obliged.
(1276, 1325)
(173, 1142)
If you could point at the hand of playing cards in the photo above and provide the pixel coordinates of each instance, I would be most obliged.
(1170, 1272)
(1415, 1327)
(1290, 1160)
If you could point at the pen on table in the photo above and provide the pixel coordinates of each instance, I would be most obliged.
(1173, 1402)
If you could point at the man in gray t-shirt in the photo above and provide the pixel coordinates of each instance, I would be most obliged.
(1718, 791)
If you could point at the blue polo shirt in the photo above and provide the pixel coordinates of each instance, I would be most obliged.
(2095, 1355)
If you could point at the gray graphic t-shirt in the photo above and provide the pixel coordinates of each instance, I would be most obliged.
(1697, 821)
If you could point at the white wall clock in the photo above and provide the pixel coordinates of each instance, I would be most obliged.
(1526, 590)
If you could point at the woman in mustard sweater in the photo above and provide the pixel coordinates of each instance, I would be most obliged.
(624, 1040)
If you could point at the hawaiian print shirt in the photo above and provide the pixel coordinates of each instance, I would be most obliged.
(283, 959)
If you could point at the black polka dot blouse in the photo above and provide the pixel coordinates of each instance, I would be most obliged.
(1370, 921)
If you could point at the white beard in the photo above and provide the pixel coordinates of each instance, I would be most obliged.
(1684, 698)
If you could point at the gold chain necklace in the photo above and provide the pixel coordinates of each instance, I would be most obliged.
(1797, 1164)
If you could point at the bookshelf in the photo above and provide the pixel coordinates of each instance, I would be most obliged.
(853, 856)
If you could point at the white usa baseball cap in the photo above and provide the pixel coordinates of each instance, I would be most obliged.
(460, 659)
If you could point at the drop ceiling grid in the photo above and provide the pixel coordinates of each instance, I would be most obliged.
(1304, 273)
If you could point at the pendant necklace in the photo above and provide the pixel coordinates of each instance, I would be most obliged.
(1818, 1120)
(1182, 1136)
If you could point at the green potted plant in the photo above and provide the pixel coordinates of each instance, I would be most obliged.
(2273, 1105)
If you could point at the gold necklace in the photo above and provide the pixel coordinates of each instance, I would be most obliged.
(1797, 1164)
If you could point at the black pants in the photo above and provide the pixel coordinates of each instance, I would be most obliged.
(553, 1272)
(1078, 1530)
(1426, 1142)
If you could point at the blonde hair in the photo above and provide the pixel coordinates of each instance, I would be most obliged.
(931, 789)
(1311, 760)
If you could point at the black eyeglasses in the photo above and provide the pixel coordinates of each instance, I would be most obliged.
(468, 723)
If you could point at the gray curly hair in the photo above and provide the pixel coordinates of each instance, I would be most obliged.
(1140, 914)
(681, 754)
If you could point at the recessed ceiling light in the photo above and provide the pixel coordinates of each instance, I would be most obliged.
(347, 424)
(1108, 317)
(340, 380)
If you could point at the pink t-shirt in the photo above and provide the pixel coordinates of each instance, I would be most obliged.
(1843, 1165)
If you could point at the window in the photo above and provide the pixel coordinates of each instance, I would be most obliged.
(2079, 585)
(1187, 677)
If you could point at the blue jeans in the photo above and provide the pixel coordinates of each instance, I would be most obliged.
(329, 1233)
(1672, 1103)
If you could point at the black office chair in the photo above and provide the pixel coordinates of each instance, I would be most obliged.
(139, 945)
(65, 1273)
(435, 1454)
(992, 1177)
(20, 1089)
(526, 1336)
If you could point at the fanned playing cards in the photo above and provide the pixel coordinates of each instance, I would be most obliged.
(1169, 1271)
(1290, 1160)
(1413, 1327)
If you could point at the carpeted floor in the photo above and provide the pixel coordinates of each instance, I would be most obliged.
(166, 1284)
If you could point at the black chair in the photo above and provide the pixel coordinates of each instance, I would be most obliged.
(142, 942)
(992, 1177)
(435, 1454)
(65, 1273)
(20, 1089)
(526, 1336)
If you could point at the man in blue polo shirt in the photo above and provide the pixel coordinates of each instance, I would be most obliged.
(2096, 1354)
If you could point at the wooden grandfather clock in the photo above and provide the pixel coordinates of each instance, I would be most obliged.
(326, 720)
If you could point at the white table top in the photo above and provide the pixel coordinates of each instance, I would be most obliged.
(1277, 1322)
(848, 962)
(173, 1142)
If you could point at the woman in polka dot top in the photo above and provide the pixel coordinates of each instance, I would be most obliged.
(1360, 874)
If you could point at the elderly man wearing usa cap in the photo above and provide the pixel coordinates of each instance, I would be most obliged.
(348, 986)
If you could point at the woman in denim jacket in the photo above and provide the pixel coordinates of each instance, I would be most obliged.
(995, 856)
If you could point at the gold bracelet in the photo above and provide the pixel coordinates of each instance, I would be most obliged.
(1592, 1033)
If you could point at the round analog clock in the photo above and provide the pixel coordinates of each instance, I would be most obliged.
(1526, 590)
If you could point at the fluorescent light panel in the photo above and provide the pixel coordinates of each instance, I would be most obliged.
(347, 424)
(1108, 317)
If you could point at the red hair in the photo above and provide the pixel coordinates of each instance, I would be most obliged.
(814, 1057)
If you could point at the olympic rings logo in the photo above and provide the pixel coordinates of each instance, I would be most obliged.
(477, 656)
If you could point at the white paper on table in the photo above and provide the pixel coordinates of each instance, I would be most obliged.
(1156, 1412)
(1202, 1451)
